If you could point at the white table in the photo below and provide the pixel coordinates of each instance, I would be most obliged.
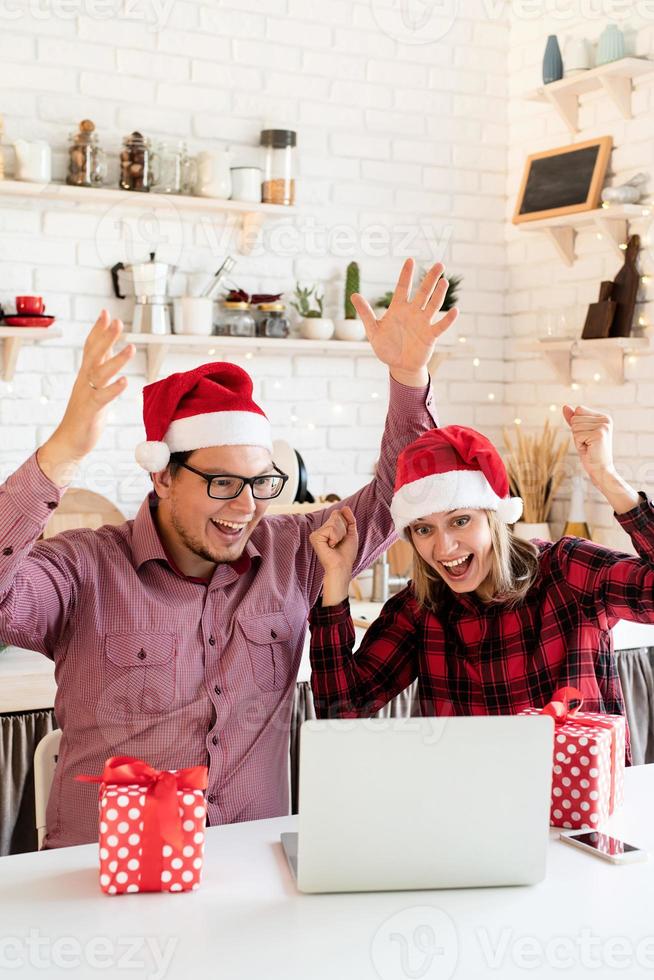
(248, 922)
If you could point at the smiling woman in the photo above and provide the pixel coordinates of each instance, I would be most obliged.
(491, 561)
(490, 624)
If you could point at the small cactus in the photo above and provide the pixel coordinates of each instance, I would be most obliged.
(352, 285)
(302, 303)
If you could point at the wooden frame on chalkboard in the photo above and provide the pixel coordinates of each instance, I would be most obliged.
(565, 180)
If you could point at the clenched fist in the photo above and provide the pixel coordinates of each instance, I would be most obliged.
(592, 433)
(336, 542)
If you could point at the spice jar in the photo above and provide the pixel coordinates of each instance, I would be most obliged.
(272, 321)
(137, 163)
(236, 320)
(86, 159)
(176, 171)
(279, 166)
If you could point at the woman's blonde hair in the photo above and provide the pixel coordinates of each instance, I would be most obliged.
(514, 567)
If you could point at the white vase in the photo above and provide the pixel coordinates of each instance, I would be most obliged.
(527, 531)
(577, 57)
(316, 328)
(349, 329)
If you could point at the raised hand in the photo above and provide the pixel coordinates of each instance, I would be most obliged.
(93, 390)
(593, 438)
(592, 433)
(405, 336)
(336, 542)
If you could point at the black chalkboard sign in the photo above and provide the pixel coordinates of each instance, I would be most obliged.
(563, 181)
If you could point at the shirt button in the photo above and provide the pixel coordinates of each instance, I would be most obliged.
(52, 504)
(217, 690)
(212, 642)
(273, 634)
(141, 654)
(214, 740)
(211, 798)
(8, 551)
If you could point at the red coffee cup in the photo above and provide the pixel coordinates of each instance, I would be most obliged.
(29, 305)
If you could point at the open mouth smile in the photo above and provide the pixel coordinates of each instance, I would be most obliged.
(457, 568)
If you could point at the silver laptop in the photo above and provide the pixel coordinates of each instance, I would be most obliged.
(414, 803)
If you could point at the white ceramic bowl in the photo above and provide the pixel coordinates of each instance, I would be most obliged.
(317, 328)
(349, 329)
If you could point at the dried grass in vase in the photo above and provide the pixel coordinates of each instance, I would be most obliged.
(535, 468)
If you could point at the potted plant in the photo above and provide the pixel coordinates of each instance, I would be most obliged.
(450, 300)
(535, 466)
(313, 325)
(350, 327)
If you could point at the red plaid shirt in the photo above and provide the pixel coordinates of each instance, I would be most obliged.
(478, 659)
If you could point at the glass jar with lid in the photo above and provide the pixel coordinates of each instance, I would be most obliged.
(137, 163)
(236, 320)
(175, 169)
(279, 166)
(272, 321)
(87, 166)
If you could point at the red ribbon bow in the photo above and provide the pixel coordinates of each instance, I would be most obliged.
(559, 707)
(560, 710)
(161, 820)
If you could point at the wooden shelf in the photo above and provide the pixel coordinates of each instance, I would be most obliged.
(610, 351)
(611, 223)
(13, 338)
(615, 79)
(250, 216)
(157, 347)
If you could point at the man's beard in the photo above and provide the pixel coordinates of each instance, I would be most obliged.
(201, 550)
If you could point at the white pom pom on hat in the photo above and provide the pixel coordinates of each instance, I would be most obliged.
(152, 456)
(449, 469)
(211, 405)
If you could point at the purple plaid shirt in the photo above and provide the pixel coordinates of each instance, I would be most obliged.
(179, 673)
(479, 659)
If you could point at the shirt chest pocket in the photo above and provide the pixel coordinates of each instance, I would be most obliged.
(140, 671)
(268, 639)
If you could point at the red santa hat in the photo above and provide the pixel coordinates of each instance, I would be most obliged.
(447, 469)
(209, 406)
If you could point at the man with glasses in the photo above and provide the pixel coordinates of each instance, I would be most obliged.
(177, 636)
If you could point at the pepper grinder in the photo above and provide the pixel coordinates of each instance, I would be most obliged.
(381, 579)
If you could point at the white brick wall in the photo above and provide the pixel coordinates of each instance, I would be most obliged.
(539, 282)
(389, 136)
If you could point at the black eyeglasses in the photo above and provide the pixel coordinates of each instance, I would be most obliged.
(226, 486)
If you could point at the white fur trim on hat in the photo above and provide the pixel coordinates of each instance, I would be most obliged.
(219, 429)
(152, 456)
(509, 510)
(450, 491)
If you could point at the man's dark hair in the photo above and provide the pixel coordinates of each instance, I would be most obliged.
(176, 460)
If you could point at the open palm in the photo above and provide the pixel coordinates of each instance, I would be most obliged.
(405, 336)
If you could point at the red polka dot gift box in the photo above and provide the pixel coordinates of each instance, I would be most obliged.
(151, 826)
(588, 764)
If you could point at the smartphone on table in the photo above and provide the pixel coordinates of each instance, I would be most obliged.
(603, 845)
